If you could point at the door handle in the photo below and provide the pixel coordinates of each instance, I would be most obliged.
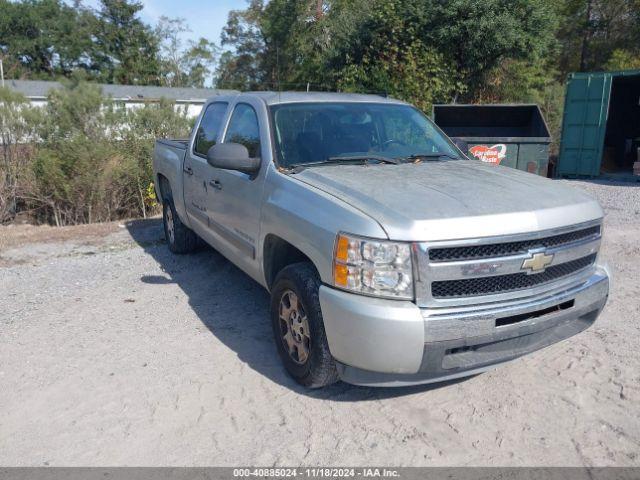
(188, 170)
(216, 184)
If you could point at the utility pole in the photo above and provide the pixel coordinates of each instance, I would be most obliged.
(1, 74)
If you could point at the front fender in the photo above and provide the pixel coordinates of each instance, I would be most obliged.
(310, 219)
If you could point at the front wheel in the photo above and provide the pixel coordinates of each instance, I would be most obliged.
(298, 327)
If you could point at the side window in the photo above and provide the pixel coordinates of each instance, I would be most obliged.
(209, 128)
(243, 129)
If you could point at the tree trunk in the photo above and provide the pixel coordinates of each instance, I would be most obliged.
(584, 51)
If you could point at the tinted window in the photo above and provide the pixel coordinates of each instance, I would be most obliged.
(209, 128)
(243, 129)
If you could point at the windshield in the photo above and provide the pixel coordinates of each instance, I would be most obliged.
(317, 132)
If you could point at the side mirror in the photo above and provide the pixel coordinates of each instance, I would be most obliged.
(232, 156)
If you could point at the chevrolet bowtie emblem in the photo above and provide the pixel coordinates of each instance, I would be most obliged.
(537, 262)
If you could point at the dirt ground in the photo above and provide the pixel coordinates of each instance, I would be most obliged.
(115, 352)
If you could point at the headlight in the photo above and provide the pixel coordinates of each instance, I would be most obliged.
(373, 267)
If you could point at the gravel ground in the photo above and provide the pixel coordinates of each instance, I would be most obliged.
(116, 352)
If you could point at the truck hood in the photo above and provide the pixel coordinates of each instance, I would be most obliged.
(448, 200)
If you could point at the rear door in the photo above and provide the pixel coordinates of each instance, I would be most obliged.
(584, 124)
(196, 170)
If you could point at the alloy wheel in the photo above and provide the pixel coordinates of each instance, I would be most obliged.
(294, 327)
(169, 224)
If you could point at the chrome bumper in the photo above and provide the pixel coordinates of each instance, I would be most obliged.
(393, 343)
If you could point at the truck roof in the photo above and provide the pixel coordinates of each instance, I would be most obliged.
(275, 98)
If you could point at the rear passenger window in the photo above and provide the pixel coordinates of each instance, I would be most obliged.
(244, 129)
(209, 128)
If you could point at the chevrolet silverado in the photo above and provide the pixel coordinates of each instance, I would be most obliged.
(390, 257)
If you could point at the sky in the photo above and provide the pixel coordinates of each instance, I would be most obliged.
(204, 17)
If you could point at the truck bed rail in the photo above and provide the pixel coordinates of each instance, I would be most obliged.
(181, 143)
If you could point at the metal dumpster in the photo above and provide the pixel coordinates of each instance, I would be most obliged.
(601, 124)
(516, 136)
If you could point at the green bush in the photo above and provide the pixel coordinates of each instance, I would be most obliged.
(623, 60)
(413, 73)
(143, 126)
(17, 121)
(521, 82)
(90, 157)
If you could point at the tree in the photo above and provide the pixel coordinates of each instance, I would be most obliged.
(391, 57)
(598, 34)
(190, 66)
(242, 67)
(285, 43)
(479, 35)
(44, 38)
(50, 38)
(199, 60)
(420, 50)
(127, 49)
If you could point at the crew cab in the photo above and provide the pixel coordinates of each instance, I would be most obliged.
(391, 258)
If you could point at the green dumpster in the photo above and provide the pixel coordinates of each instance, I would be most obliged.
(516, 136)
(601, 124)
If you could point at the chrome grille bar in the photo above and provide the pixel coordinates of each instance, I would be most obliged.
(452, 254)
(469, 287)
(573, 251)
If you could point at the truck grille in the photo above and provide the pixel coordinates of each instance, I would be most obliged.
(493, 269)
(452, 254)
(507, 283)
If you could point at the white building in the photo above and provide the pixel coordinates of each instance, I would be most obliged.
(132, 95)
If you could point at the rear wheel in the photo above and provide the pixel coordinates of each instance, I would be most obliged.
(298, 327)
(180, 238)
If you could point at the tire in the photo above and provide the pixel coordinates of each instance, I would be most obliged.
(180, 238)
(305, 329)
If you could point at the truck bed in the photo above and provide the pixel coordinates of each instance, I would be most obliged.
(168, 158)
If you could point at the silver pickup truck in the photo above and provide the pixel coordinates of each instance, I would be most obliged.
(391, 258)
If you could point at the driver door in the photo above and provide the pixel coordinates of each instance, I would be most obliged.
(234, 198)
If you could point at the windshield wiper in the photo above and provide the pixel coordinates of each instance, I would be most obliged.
(346, 159)
(364, 158)
(430, 156)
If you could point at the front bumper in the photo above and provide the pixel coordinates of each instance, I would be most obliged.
(393, 343)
